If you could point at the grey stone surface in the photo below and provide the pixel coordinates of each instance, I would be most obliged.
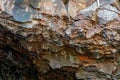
(35, 4)
(107, 14)
(21, 15)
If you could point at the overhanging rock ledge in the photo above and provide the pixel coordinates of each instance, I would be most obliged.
(59, 40)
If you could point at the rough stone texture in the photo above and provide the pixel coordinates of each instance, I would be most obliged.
(59, 40)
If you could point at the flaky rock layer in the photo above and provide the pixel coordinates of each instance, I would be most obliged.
(59, 39)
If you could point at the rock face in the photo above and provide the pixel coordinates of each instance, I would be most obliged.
(59, 40)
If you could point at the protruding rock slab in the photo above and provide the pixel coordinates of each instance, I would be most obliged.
(59, 40)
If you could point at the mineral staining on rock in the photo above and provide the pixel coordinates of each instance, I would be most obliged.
(24, 10)
(59, 39)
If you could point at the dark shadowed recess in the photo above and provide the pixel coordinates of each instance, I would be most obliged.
(15, 65)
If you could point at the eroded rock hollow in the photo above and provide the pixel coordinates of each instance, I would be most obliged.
(59, 40)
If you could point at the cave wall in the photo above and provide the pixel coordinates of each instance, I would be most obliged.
(59, 40)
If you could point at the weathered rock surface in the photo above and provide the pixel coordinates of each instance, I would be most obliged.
(59, 40)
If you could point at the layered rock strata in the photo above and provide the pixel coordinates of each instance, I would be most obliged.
(59, 40)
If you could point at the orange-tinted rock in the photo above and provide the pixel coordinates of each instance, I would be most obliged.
(60, 40)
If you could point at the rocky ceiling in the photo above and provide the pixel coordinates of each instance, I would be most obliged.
(59, 40)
